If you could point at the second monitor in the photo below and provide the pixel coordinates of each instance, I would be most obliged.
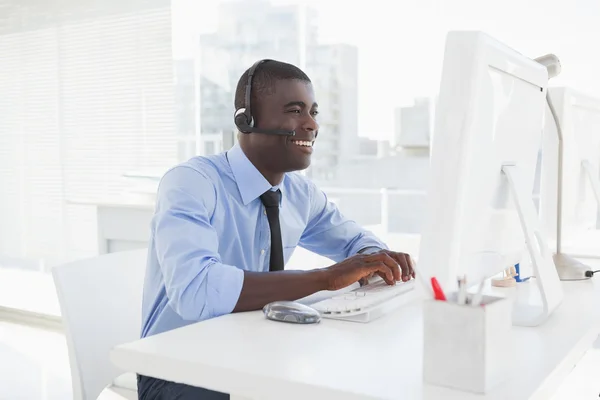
(575, 163)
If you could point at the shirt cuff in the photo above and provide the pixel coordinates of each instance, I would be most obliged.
(369, 250)
(224, 293)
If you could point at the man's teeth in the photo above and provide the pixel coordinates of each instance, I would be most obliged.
(303, 143)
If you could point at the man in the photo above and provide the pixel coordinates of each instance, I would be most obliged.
(225, 225)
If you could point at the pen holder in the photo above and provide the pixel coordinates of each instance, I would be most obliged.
(467, 347)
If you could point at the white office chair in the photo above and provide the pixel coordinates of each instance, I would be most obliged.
(100, 301)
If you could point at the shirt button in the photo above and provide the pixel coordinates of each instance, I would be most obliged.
(262, 251)
(265, 211)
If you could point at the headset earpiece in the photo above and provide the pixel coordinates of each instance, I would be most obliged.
(241, 120)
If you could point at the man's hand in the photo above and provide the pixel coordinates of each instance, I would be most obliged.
(355, 268)
(404, 262)
(261, 288)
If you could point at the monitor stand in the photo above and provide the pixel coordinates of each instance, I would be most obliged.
(544, 271)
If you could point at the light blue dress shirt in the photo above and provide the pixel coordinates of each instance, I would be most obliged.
(210, 225)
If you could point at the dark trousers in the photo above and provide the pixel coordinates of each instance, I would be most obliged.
(157, 389)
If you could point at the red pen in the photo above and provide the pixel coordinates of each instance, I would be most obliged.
(438, 293)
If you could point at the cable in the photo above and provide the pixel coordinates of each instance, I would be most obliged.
(589, 274)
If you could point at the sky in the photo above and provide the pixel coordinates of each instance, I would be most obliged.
(401, 43)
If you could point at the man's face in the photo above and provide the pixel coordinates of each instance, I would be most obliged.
(292, 107)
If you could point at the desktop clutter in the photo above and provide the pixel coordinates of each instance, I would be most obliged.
(466, 344)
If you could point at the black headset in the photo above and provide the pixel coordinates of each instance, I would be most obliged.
(243, 116)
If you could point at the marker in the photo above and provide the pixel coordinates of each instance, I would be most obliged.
(438, 293)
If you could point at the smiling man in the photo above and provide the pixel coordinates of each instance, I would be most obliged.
(225, 225)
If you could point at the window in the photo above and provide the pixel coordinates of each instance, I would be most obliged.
(209, 148)
(86, 90)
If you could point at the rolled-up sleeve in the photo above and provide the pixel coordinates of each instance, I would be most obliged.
(197, 283)
(332, 235)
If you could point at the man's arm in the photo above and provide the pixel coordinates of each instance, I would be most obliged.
(332, 235)
(261, 288)
(199, 285)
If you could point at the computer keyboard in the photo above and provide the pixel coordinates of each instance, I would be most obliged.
(367, 302)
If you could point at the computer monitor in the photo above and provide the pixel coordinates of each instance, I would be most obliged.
(579, 118)
(480, 216)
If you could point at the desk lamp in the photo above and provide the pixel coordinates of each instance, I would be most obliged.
(567, 267)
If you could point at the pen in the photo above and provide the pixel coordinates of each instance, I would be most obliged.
(462, 290)
(438, 293)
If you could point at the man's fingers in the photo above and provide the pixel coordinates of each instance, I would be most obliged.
(363, 281)
(386, 280)
(406, 264)
(406, 270)
(383, 270)
(402, 262)
(410, 263)
(388, 261)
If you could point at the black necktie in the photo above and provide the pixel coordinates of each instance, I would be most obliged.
(270, 200)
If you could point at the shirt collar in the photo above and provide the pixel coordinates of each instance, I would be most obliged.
(250, 182)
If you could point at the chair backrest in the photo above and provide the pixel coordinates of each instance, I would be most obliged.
(100, 301)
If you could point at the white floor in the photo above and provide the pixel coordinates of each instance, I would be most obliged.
(34, 364)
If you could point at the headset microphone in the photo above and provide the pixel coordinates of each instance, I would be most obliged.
(243, 116)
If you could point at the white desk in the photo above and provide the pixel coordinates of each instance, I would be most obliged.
(251, 357)
(122, 225)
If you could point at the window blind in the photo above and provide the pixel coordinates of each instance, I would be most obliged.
(86, 95)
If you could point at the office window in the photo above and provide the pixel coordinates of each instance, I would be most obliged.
(86, 93)
(210, 148)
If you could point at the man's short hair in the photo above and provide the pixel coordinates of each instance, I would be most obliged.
(263, 81)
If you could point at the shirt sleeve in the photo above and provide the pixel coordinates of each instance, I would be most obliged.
(332, 235)
(198, 285)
